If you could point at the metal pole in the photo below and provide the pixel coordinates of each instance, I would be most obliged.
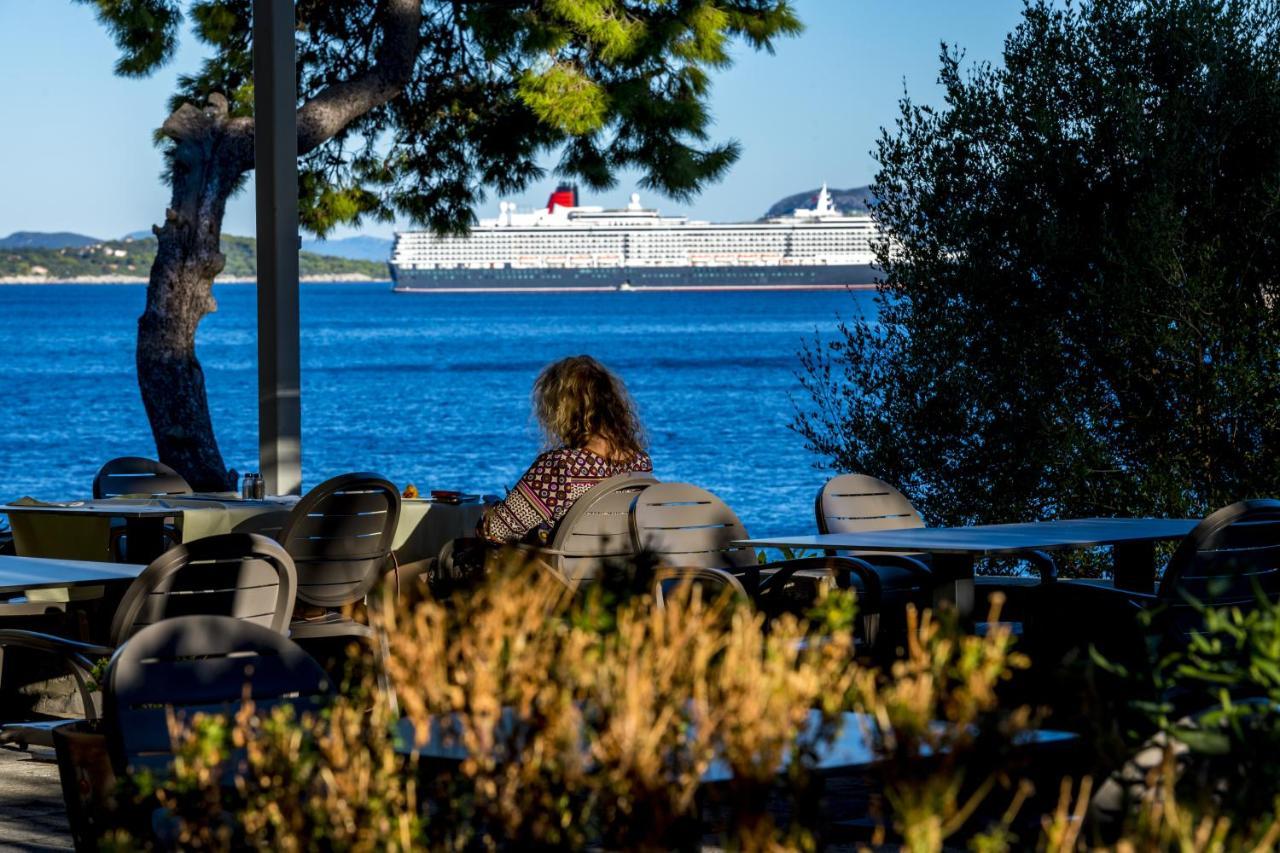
(276, 163)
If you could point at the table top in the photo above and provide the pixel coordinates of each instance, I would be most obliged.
(23, 573)
(138, 507)
(852, 748)
(989, 539)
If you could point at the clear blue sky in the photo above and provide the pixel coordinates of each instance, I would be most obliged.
(76, 151)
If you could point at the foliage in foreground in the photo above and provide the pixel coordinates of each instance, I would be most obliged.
(1079, 304)
(584, 724)
(588, 724)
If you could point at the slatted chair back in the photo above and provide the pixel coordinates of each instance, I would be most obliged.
(683, 525)
(240, 575)
(134, 475)
(596, 530)
(1229, 559)
(340, 536)
(857, 503)
(199, 664)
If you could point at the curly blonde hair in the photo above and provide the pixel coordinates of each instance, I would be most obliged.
(578, 398)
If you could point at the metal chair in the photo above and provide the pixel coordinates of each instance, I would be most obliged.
(239, 575)
(859, 502)
(340, 536)
(173, 670)
(1229, 559)
(135, 475)
(204, 664)
(687, 527)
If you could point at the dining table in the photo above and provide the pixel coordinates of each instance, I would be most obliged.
(19, 575)
(953, 551)
(81, 531)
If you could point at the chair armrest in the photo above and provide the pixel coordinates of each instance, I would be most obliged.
(1045, 564)
(53, 643)
(79, 656)
(720, 576)
(839, 567)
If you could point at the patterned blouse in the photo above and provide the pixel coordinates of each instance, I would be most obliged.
(544, 494)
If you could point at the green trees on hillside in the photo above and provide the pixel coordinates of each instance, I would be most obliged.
(1079, 313)
(135, 257)
(415, 107)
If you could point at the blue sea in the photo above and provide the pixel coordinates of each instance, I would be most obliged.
(430, 389)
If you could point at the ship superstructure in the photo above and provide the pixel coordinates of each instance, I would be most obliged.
(566, 246)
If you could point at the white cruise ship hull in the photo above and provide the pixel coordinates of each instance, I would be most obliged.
(587, 279)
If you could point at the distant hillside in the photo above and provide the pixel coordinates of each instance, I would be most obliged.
(132, 259)
(46, 240)
(356, 248)
(856, 200)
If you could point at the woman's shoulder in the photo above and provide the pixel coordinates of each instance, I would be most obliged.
(580, 461)
(557, 457)
(642, 463)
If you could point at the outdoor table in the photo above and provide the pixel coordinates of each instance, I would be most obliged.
(80, 529)
(954, 550)
(852, 749)
(20, 574)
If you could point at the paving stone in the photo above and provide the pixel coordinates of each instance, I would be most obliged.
(32, 816)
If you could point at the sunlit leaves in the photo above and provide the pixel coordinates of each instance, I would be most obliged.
(498, 86)
(564, 98)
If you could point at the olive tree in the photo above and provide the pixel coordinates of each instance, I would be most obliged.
(1078, 307)
(416, 108)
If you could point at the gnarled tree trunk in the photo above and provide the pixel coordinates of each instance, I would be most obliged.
(211, 153)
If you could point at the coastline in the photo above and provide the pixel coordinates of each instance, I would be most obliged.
(350, 278)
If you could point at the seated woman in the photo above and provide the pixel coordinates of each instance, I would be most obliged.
(593, 433)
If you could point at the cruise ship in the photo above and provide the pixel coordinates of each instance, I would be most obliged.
(568, 247)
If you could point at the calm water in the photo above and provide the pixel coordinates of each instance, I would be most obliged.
(429, 389)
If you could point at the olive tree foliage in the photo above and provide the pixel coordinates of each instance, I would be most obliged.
(1077, 314)
(416, 108)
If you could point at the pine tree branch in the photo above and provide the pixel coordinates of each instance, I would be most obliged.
(338, 105)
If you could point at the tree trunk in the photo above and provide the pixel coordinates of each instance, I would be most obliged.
(207, 162)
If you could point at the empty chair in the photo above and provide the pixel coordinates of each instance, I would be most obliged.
(173, 670)
(1229, 559)
(858, 502)
(684, 526)
(340, 536)
(239, 575)
(205, 664)
(134, 475)
(595, 532)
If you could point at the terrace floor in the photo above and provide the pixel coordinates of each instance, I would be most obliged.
(32, 816)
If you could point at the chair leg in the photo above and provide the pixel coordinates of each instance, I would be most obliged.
(382, 654)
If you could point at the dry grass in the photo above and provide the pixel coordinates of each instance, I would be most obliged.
(590, 723)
